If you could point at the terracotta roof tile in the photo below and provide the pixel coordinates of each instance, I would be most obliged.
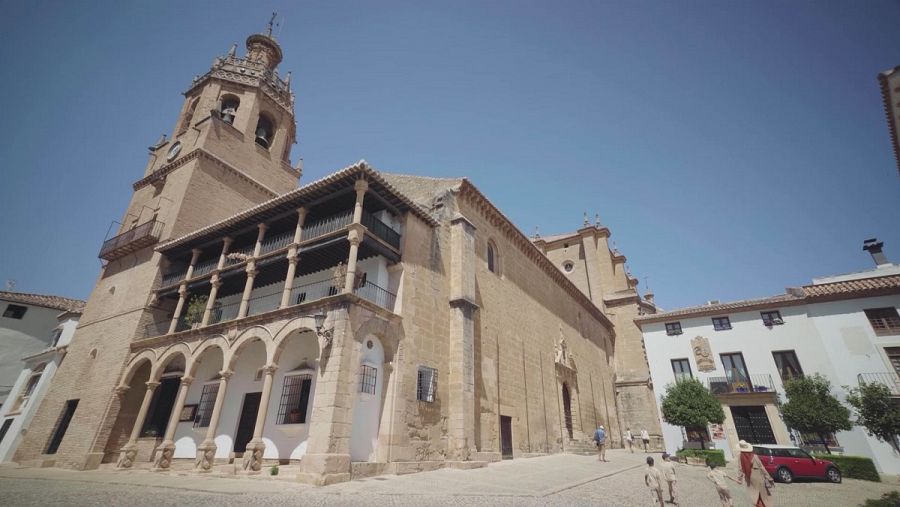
(720, 308)
(854, 287)
(55, 302)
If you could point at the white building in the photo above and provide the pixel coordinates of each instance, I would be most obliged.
(844, 327)
(35, 329)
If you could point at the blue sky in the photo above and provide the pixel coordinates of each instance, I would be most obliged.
(733, 148)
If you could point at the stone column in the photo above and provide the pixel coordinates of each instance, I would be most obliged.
(214, 283)
(461, 381)
(167, 448)
(248, 288)
(129, 451)
(182, 295)
(259, 239)
(195, 253)
(356, 234)
(226, 244)
(254, 453)
(293, 258)
(327, 458)
(206, 451)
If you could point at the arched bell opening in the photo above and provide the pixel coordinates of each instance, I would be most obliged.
(265, 131)
(367, 408)
(228, 107)
(129, 406)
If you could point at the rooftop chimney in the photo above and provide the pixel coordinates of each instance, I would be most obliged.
(873, 246)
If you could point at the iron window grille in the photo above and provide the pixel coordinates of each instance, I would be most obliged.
(772, 318)
(721, 323)
(673, 328)
(367, 378)
(294, 399)
(205, 407)
(427, 384)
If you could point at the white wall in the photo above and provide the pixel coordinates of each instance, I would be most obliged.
(367, 407)
(51, 360)
(283, 441)
(833, 339)
(20, 338)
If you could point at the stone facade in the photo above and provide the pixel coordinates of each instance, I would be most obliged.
(397, 322)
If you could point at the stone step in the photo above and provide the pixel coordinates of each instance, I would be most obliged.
(465, 465)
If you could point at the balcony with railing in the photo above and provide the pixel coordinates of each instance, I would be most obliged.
(741, 384)
(887, 379)
(131, 240)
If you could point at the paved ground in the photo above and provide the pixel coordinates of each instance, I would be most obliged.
(551, 480)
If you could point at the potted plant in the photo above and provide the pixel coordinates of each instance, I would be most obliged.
(193, 316)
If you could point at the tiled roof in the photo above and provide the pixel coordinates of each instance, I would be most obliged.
(317, 187)
(890, 111)
(55, 302)
(852, 288)
(720, 308)
(865, 287)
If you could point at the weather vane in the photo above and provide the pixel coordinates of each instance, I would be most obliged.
(271, 23)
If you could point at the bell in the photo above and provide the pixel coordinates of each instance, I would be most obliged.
(261, 138)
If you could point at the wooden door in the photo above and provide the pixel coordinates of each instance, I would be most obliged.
(247, 421)
(506, 445)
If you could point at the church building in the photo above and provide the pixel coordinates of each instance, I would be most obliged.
(359, 324)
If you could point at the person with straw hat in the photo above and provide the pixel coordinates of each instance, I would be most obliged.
(753, 474)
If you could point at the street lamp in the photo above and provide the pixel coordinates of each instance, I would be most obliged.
(324, 334)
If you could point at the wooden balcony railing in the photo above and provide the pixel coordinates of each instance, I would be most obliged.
(131, 240)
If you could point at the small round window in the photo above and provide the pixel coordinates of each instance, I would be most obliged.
(568, 266)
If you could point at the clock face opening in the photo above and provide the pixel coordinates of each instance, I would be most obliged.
(174, 151)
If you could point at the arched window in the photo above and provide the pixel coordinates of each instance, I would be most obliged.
(265, 131)
(492, 259)
(228, 108)
(188, 116)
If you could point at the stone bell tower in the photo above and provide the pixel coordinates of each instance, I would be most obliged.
(229, 150)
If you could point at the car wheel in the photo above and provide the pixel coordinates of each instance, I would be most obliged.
(833, 475)
(784, 475)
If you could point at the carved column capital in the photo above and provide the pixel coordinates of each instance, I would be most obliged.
(151, 385)
(121, 390)
(270, 369)
(187, 380)
(226, 374)
(361, 185)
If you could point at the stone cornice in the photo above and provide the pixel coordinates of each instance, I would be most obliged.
(467, 191)
(161, 173)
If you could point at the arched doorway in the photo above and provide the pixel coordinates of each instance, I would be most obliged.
(367, 409)
(567, 409)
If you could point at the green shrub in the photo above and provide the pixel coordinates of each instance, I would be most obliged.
(273, 470)
(716, 456)
(853, 467)
(891, 499)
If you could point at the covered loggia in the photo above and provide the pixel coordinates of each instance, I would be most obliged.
(195, 420)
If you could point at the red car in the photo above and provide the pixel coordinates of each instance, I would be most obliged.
(784, 463)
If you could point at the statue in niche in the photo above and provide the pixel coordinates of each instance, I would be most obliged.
(563, 355)
(703, 354)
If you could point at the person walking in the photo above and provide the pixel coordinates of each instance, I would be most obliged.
(667, 467)
(753, 474)
(645, 438)
(600, 440)
(718, 476)
(629, 440)
(653, 479)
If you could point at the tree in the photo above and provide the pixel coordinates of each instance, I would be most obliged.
(689, 403)
(811, 408)
(876, 411)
